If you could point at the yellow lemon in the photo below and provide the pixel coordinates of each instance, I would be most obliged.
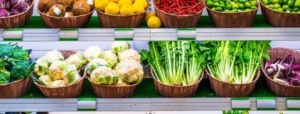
(123, 2)
(116, 1)
(138, 8)
(143, 2)
(112, 8)
(148, 15)
(126, 10)
(154, 22)
(132, 1)
(100, 4)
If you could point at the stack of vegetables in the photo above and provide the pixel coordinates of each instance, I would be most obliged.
(122, 7)
(55, 71)
(285, 71)
(13, 7)
(119, 66)
(15, 63)
(232, 5)
(65, 8)
(288, 6)
(235, 62)
(175, 63)
(179, 7)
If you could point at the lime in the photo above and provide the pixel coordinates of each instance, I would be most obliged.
(222, 2)
(241, 6)
(219, 9)
(254, 3)
(280, 1)
(234, 10)
(288, 10)
(216, 0)
(291, 3)
(271, 6)
(247, 4)
(240, 10)
(210, 4)
(280, 9)
(285, 7)
(216, 4)
(253, 7)
(276, 6)
(246, 10)
(235, 1)
(214, 9)
(275, 1)
(297, 4)
(228, 6)
(222, 6)
(242, 1)
(265, 2)
(296, 9)
(235, 6)
(285, 1)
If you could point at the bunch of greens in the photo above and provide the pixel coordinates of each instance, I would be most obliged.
(235, 61)
(176, 63)
(14, 63)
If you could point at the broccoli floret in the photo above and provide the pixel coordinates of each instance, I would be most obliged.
(4, 74)
(7, 50)
(21, 54)
(22, 69)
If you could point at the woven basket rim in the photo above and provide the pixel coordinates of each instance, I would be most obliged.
(201, 77)
(43, 14)
(264, 6)
(37, 84)
(31, 5)
(178, 15)
(100, 12)
(14, 82)
(257, 75)
(255, 10)
(267, 76)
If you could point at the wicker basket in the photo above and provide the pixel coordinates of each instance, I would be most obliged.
(281, 90)
(280, 19)
(232, 20)
(225, 89)
(176, 91)
(15, 89)
(70, 91)
(120, 21)
(19, 20)
(178, 21)
(66, 22)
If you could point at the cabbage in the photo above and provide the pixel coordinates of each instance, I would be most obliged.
(23, 6)
(4, 13)
(14, 12)
(2, 4)
(15, 3)
(7, 5)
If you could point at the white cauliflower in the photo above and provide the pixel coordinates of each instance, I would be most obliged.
(95, 64)
(111, 58)
(121, 82)
(41, 67)
(57, 83)
(77, 60)
(71, 75)
(45, 80)
(129, 54)
(52, 56)
(130, 71)
(119, 46)
(92, 52)
(104, 75)
(56, 70)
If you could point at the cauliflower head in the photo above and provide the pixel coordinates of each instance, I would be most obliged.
(121, 82)
(52, 56)
(111, 58)
(71, 75)
(45, 80)
(56, 70)
(95, 64)
(130, 71)
(57, 83)
(104, 75)
(92, 52)
(129, 54)
(77, 60)
(41, 67)
(119, 46)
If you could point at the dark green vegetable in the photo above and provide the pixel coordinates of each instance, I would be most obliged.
(22, 69)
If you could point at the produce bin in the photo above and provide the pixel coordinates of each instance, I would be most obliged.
(225, 89)
(15, 89)
(279, 89)
(18, 20)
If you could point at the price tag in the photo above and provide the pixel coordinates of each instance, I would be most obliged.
(124, 34)
(164, 34)
(86, 104)
(240, 103)
(293, 103)
(266, 103)
(186, 33)
(13, 34)
(68, 34)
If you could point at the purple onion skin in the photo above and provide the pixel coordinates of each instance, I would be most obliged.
(281, 81)
(287, 70)
(271, 69)
(7, 5)
(4, 13)
(295, 82)
(2, 4)
(295, 67)
(14, 12)
(277, 61)
(22, 7)
(290, 59)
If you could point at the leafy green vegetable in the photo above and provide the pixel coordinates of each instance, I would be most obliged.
(235, 61)
(177, 63)
(22, 69)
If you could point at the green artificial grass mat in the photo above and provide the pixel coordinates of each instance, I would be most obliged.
(147, 90)
(37, 22)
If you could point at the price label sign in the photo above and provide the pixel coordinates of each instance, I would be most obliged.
(293, 103)
(13, 34)
(240, 103)
(68, 34)
(87, 104)
(266, 103)
(186, 33)
(124, 34)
